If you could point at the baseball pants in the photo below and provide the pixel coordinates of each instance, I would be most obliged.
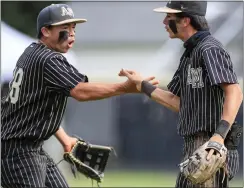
(25, 164)
(221, 179)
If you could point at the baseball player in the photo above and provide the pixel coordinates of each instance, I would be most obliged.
(204, 89)
(34, 107)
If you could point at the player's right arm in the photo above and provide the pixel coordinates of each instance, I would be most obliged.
(60, 76)
(169, 99)
(95, 91)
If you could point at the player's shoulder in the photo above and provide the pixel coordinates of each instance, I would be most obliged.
(52, 55)
(210, 43)
(43, 52)
(55, 58)
(58, 56)
(35, 48)
(55, 55)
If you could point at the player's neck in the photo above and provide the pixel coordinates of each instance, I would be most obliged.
(188, 34)
(45, 43)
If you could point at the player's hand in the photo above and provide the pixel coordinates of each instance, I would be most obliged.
(69, 143)
(216, 138)
(137, 79)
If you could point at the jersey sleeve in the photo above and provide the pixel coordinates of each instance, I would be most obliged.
(174, 84)
(61, 76)
(219, 66)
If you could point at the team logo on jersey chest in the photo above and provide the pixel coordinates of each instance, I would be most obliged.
(194, 77)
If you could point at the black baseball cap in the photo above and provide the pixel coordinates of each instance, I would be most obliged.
(191, 7)
(56, 14)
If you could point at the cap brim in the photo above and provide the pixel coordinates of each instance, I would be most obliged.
(74, 20)
(166, 10)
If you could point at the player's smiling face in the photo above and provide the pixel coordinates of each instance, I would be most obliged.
(61, 38)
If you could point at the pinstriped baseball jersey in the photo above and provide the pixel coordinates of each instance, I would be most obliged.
(35, 105)
(197, 82)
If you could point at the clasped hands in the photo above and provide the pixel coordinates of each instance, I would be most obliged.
(133, 84)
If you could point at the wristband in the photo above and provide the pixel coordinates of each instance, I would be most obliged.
(223, 128)
(147, 88)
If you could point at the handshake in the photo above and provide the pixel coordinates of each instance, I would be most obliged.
(136, 83)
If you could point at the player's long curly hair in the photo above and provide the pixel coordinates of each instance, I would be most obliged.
(198, 22)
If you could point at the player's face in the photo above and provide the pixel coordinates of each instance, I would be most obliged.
(62, 37)
(179, 25)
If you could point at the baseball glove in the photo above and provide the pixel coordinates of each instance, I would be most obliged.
(198, 169)
(88, 159)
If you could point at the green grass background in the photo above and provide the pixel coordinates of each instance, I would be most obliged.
(137, 179)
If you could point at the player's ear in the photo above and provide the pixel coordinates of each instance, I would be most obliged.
(45, 31)
(186, 21)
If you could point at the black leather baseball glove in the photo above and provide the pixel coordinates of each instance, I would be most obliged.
(88, 159)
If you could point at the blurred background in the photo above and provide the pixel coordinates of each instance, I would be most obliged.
(123, 35)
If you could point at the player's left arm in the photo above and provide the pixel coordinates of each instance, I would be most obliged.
(221, 73)
(65, 140)
(233, 99)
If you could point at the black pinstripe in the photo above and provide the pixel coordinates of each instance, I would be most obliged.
(31, 113)
(196, 82)
(26, 165)
(204, 65)
(46, 81)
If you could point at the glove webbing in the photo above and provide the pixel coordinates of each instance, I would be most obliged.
(98, 160)
(102, 155)
(74, 168)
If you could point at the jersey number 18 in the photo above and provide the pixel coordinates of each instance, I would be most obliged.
(14, 88)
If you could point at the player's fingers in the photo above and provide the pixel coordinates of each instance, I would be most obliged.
(130, 71)
(150, 78)
(210, 153)
(218, 154)
(154, 82)
(124, 73)
(121, 73)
